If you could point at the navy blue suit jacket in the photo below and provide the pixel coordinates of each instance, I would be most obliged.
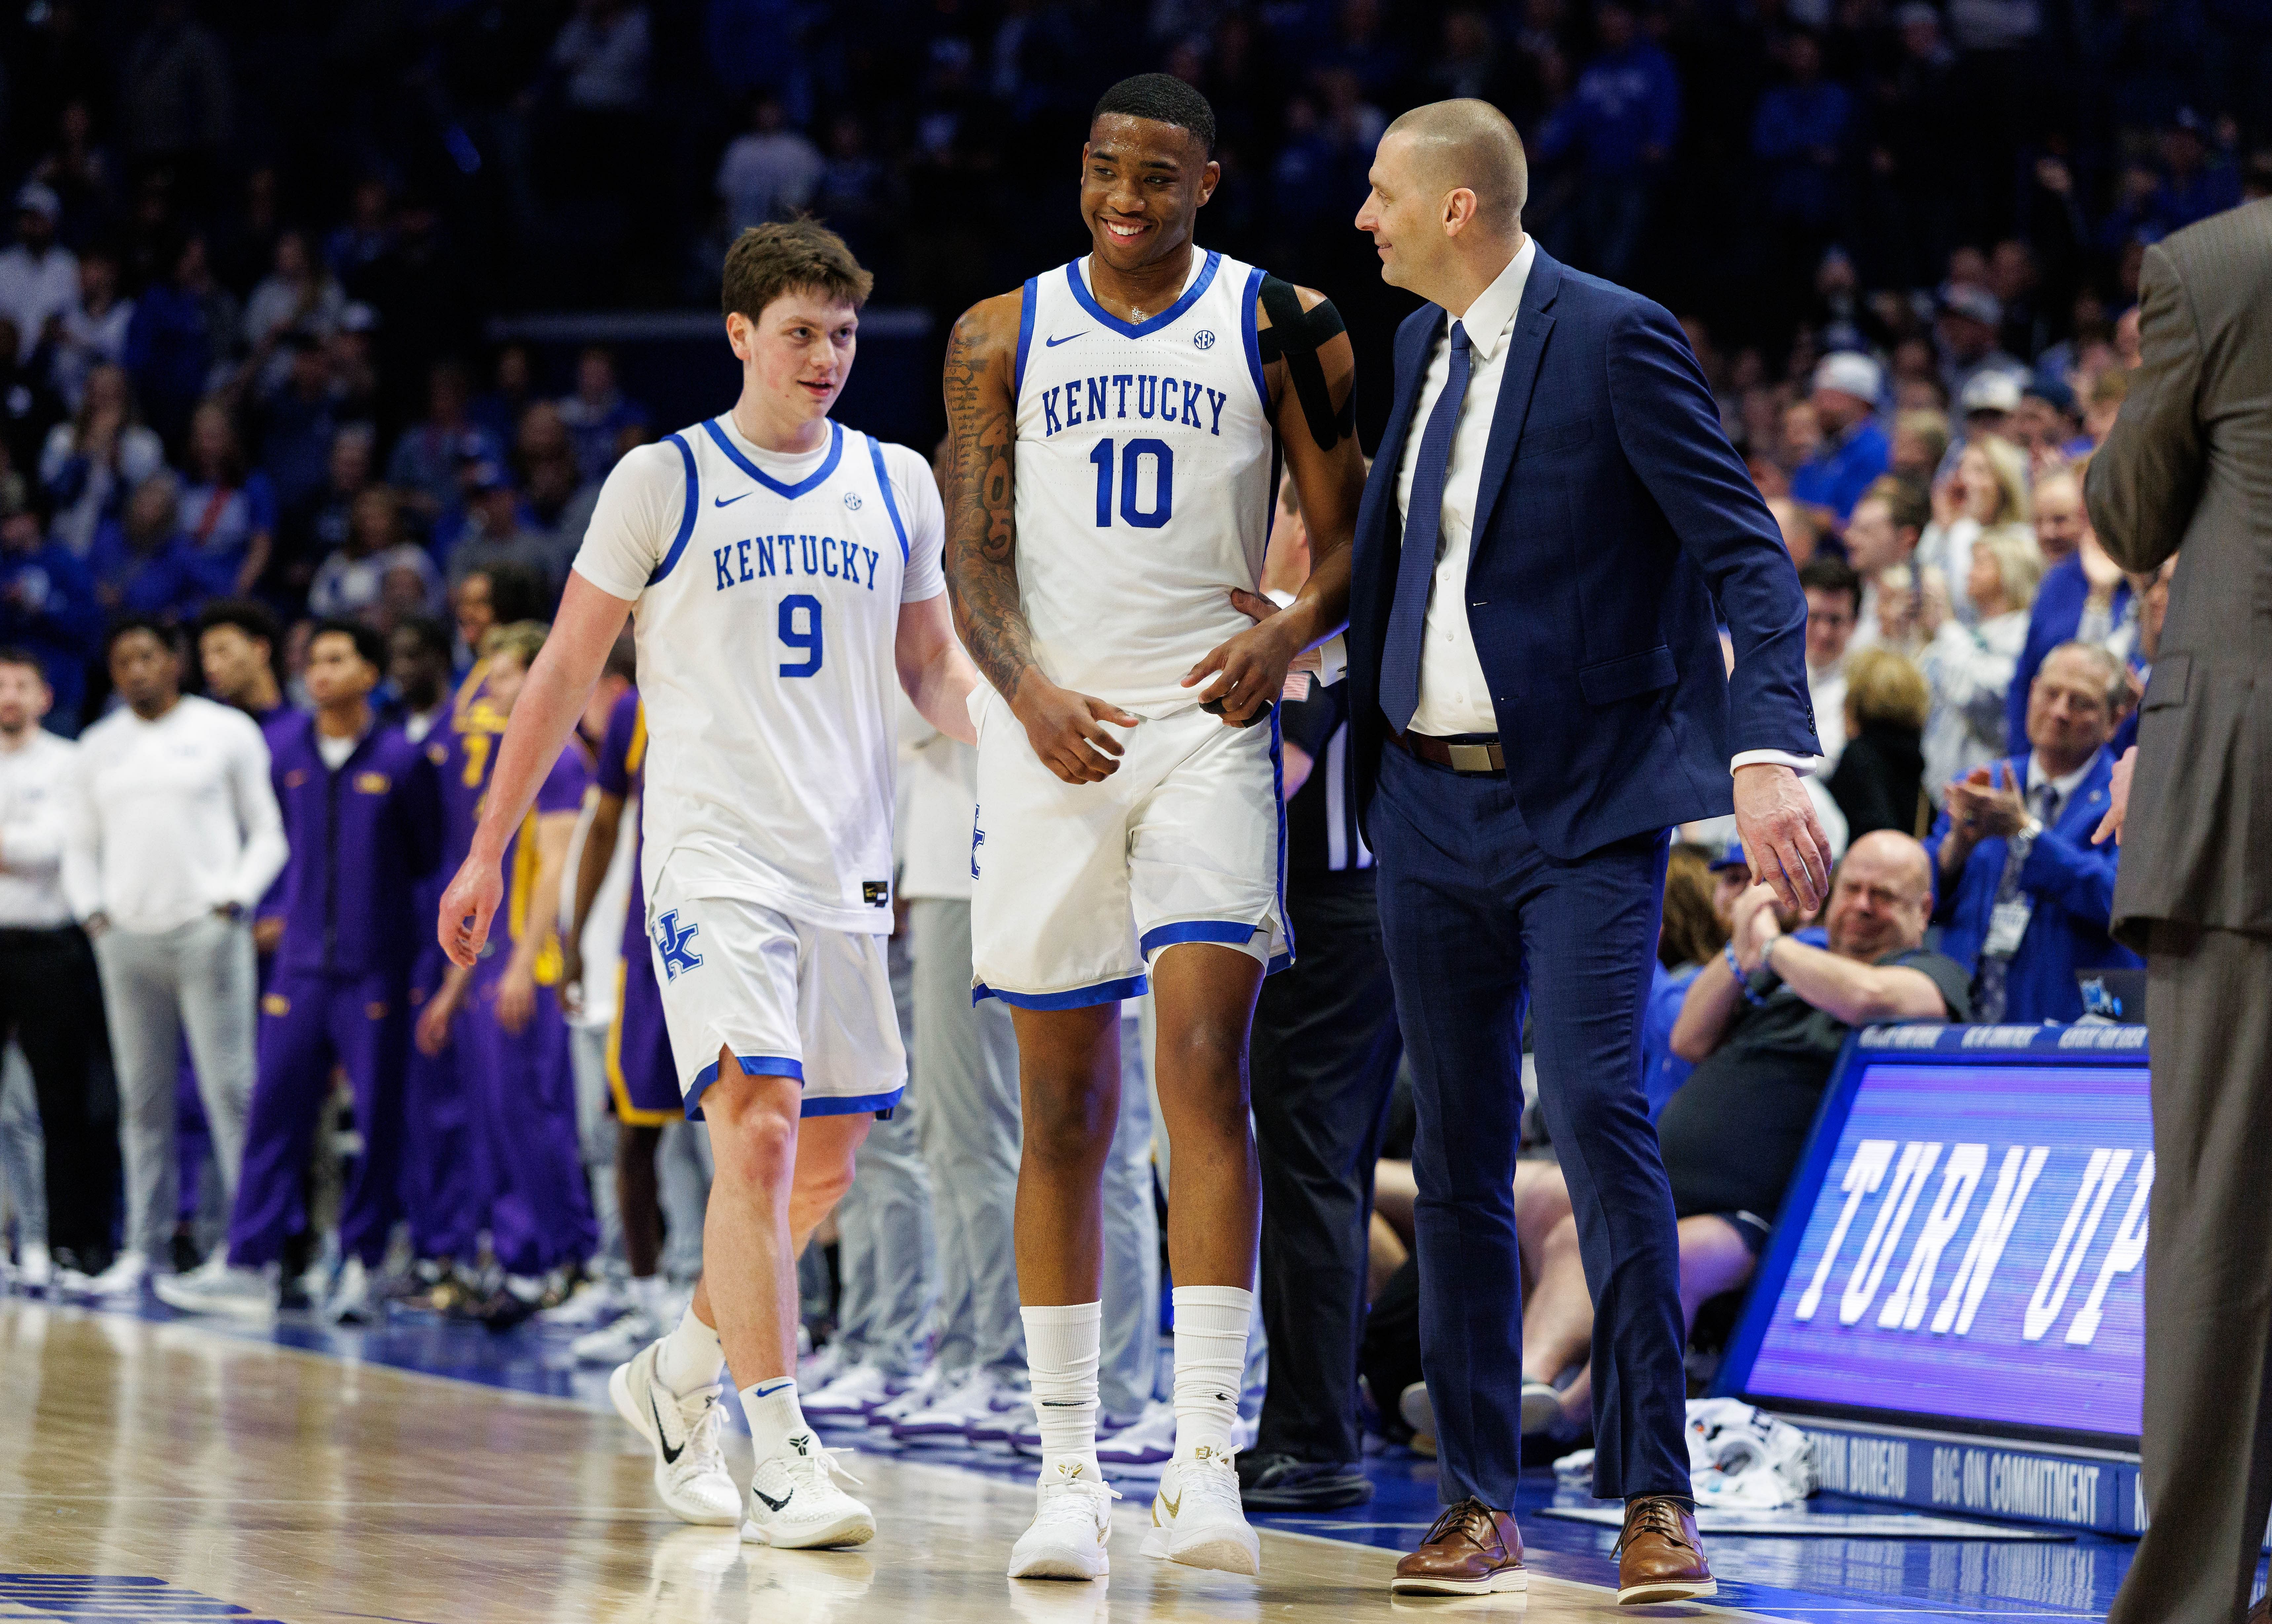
(1612, 511)
(2053, 619)
(2073, 884)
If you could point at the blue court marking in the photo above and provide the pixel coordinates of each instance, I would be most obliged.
(827, 464)
(89, 1597)
(1078, 997)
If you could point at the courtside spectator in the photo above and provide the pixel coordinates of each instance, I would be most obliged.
(173, 837)
(1834, 607)
(1694, 928)
(2023, 895)
(49, 612)
(1762, 1023)
(1854, 451)
(1970, 667)
(50, 1004)
(1880, 776)
(90, 462)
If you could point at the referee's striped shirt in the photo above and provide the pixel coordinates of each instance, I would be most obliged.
(1322, 836)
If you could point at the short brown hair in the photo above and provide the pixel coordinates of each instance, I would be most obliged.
(787, 257)
(1907, 502)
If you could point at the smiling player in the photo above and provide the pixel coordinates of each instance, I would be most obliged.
(782, 573)
(1115, 429)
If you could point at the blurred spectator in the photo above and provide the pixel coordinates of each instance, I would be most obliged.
(1763, 1024)
(512, 392)
(601, 55)
(180, 333)
(1834, 606)
(1619, 125)
(298, 418)
(1920, 441)
(1693, 930)
(175, 81)
(418, 671)
(1881, 777)
(298, 295)
(141, 562)
(174, 836)
(499, 595)
(2107, 392)
(362, 239)
(28, 407)
(1881, 538)
(2024, 897)
(560, 499)
(1971, 668)
(1971, 327)
(495, 532)
(2044, 424)
(2084, 596)
(424, 468)
(1799, 137)
(2060, 522)
(48, 611)
(1989, 486)
(347, 474)
(2139, 644)
(351, 583)
(80, 171)
(1800, 532)
(39, 276)
(228, 512)
(93, 332)
(1854, 450)
(598, 411)
(90, 463)
(771, 172)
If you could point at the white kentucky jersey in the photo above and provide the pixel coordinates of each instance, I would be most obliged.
(1144, 473)
(766, 595)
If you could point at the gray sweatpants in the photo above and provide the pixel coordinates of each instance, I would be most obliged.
(23, 1168)
(197, 978)
(886, 1257)
(596, 1143)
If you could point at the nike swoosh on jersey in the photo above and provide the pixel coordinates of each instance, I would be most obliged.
(670, 1455)
(1069, 338)
(727, 501)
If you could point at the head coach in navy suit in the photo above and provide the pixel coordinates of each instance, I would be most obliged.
(1538, 693)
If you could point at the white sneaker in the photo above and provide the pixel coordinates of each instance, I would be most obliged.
(795, 1505)
(980, 1396)
(849, 1396)
(618, 1342)
(351, 1302)
(917, 1395)
(213, 1286)
(592, 1302)
(681, 1429)
(1151, 1441)
(1197, 1519)
(35, 1270)
(1071, 1530)
(123, 1279)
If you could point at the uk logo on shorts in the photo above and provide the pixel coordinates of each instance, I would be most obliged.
(670, 940)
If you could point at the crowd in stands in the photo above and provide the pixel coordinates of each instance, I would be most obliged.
(246, 410)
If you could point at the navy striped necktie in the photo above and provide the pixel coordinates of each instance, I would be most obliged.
(1424, 530)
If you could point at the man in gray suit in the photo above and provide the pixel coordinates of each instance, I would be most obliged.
(2189, 464)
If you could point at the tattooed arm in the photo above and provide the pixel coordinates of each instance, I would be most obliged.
(1066, 728)
(1312, 376)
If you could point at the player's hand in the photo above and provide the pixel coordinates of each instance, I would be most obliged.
(1783, 839)
(516, 999)
(462, 924)
(571, 976)
(432, 1033)
(1249, 669)
(2118, 799)
(1067, 730)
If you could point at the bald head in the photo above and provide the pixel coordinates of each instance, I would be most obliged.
(1881, 898)
(1471, 143)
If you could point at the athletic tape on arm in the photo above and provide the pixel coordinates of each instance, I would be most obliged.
(1296, 336)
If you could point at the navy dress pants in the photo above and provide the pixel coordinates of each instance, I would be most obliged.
(1476, 920)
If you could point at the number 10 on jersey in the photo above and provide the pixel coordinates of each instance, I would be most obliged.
(1131, 462)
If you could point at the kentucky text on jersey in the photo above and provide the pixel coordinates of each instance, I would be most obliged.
(1161, 398)
(759, 558)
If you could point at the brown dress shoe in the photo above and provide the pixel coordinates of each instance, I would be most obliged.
(1659, 1556)
(1472, 1550)
(2261, 1613)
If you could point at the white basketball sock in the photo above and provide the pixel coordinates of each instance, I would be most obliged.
(691, 1356)
(775, 1418)
(1062, 1348)
(1211, 1323)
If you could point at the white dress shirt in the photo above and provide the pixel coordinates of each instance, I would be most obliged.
(35, 780)
(1454, 694)
(171, 818)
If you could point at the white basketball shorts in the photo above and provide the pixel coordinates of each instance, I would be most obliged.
(788, 998)
(1075, 888)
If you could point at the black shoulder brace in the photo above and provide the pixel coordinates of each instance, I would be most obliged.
(1296, 336)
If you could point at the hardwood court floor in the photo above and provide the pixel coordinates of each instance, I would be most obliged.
(209, 1468)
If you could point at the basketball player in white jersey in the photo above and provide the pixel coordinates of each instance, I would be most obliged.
(1116, 426)
(782, 572)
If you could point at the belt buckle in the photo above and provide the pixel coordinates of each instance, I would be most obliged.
(1471, 758)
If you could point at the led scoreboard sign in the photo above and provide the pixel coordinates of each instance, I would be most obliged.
(1954, 1297)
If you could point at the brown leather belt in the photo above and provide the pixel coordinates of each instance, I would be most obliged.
(1465, 756)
